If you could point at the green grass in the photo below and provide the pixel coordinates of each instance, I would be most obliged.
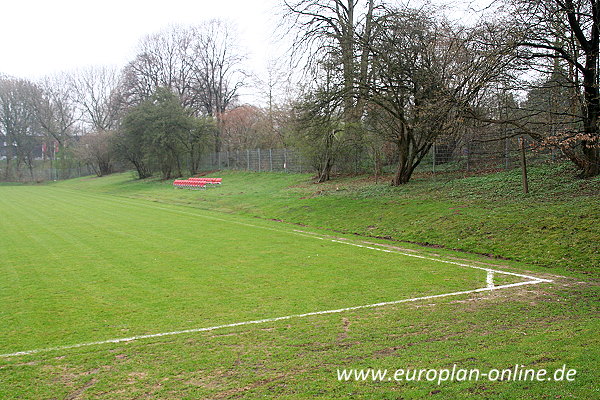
(81, 268)
(555, 226)
(119, 268)
(99, 258)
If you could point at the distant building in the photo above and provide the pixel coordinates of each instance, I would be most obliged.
(40, 151)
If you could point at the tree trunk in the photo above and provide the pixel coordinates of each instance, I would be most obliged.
(377, 164)
(193, 161)
(410, 156)
(347, 41)
(590, 163)
(7, 172)
(105, 168)
(325, 169)
(325, 173)
(401, 176)
(142, 171)
(587, 158)
(590, 154)
(524, 180)
(179, 172)
(405, 160)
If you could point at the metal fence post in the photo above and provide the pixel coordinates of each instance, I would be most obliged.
(248, 159)
(258, 160)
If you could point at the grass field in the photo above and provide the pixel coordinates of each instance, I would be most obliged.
(98, 268)
(555, 225)
(92, 260)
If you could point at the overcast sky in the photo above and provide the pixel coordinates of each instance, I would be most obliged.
(42, 37)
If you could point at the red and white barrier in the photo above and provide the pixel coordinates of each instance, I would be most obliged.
(187, 184)
(196, 183)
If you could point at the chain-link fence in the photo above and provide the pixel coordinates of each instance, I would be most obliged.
(42, 174)
(483, 154)
(443, 156)
(463, 155)
(269, 160)
(43, 171)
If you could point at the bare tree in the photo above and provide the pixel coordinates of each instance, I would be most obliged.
(426, 75)
(19, 123)
(218, 66)
(332, 42)
(320, 131)
(165, 59)
(96, 93)
(55, 108)
(274, 90)
(217, 70)
(560, 41)
(248, 127)
(339, 31)
(201, 65)
(95, 150)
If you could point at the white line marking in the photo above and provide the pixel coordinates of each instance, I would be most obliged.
(262, 321)
(310, 234)
(490, 279)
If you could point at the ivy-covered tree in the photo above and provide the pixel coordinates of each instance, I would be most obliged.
(155, 135)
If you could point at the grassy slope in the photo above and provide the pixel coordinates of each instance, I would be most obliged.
(556, 225)
(542, 327)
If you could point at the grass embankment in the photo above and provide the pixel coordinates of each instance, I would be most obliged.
(555, 226)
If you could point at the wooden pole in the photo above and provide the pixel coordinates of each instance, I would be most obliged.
(433, 157)
(523, 166)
